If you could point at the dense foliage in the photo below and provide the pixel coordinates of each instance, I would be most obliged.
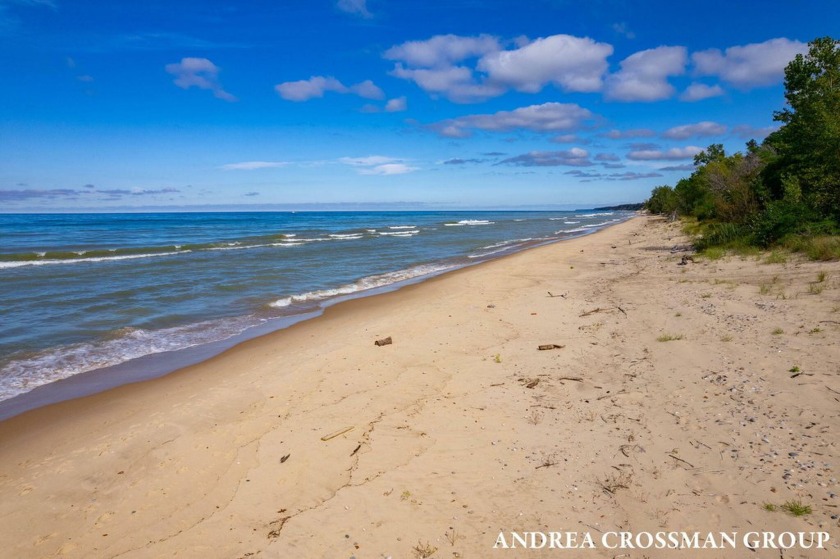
(787, 188)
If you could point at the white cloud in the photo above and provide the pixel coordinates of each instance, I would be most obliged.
(456, 83)
(573, 64)
(747, 66)
(644, 75)
(442, 50)
(705, 128)
(253, 165)
(672, 154)
(751, 132)
(396, 105)
(358, 7)
(633, 133)
(200, 73)
(548, 117)
(441, 65)
(575, 157)
(378, 165)
(700, 91)
(316, 86)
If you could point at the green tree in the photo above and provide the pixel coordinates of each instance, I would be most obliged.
(662, 200)
(808, 143)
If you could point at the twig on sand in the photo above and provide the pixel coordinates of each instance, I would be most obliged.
(576, 379)
(603, 309)
(550, 346)
(337, 433)
(563, 295)
(681, 460)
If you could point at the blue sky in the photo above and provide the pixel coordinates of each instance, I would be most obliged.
(380, 103)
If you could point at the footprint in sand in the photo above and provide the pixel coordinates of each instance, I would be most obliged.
(27, 489)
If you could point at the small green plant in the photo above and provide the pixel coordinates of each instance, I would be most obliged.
(669, 338)
(497, 358)
(815, 288)
(794, 369)
(726, 338)
(776, 257)
(777, 331)
(705, 295)
(714, 253)
(821, 277)
(405, 495)
(763, 289)
(796, 508)
(770, 507)
(816, 330)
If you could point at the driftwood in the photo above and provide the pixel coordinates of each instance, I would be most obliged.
(550, 346)
(284, 458)
(384, 341)
(563, 295)
(337, 433)
(576, 379)
(533, 383)
(602, 309)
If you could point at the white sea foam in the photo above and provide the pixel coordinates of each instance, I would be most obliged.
(470, 222)
(24, 374)
(571, 222)
(346, 236)
(364, 284)
(18, 264)
(399, 233)
(402, 227)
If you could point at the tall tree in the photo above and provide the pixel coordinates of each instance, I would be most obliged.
(808, 143)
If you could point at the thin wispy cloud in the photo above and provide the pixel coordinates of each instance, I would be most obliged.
(687, 152)
(700, 129)
(548, 117)
(378, 165)
(356, 7)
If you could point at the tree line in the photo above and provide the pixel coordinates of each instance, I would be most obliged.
(783, 191)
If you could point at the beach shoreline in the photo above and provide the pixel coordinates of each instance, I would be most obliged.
(155, 365)
(311, 441)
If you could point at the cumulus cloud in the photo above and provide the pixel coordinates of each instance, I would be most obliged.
(575, 157)
(358, 7)
(705, 128)
(200, 73)
(633, 133)
(644, 75)
(442, 50)
(573, 64)
(748, 66)
(378, 165)
(672, 154)
(396, 105)
(316, 86)
(442, 65)
(548, 117)
(456, 83)
(700, 91)
(746, 131)
(253, 165)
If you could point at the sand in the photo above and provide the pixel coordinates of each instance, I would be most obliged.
(314, 442)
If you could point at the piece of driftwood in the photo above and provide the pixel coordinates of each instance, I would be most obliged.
(384, 341)
(284, 458)
(603, 309)
(356, 450)
(533, 383)
(545, 347)
(337, 433)
(576, 379)
(563, 295)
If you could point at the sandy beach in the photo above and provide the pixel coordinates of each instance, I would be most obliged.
(700, 397)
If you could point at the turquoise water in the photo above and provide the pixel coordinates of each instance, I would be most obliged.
(86, 291)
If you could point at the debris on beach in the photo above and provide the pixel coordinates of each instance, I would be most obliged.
(384, 341)
(545, 347)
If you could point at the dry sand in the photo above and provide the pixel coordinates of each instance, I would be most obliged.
(462, 428)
